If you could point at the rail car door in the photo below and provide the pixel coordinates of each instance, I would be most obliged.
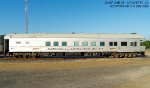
(1, 44)
(6, 46)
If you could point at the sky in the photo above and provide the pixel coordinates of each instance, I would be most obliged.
(67, 16)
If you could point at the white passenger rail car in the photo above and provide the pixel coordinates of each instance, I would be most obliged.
(43, 44)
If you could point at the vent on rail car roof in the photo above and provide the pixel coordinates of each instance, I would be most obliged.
(132, 33)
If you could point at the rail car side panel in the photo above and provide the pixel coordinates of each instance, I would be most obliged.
(38, 45)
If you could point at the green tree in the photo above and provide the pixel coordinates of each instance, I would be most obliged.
(147, 44)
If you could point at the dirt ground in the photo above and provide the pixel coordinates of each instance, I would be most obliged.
(87, 73)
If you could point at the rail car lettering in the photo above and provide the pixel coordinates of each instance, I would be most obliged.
(35, 48)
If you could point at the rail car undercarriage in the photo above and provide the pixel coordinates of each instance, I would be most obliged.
(76, 54)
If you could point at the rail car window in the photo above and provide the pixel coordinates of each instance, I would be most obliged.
(115, 44)
(48, 43)
(76, 43)
(135, 43)
(85, 43)
(141, 43)
(93, 43)
(27, 42)
(64, 43)
(102, 43)
(110, 43)
(123, 43)
(55, 43)
(131, 44)
(18, 42)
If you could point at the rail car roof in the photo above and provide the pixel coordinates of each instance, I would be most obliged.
(80, 35)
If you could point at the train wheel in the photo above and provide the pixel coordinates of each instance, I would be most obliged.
(116, 55)
(134, 55)
(125, 55)
(21, 56)
(37, 56)
(121, 55)
(27, 56)
(130, 55)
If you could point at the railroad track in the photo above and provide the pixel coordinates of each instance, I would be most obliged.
(63, 58)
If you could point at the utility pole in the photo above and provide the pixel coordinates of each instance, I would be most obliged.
(26, 10)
